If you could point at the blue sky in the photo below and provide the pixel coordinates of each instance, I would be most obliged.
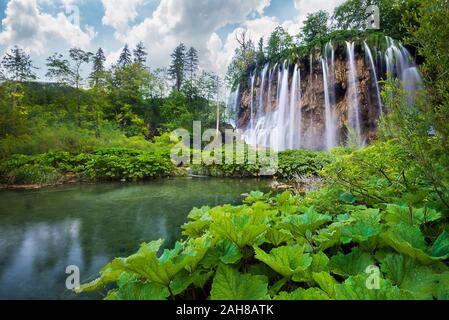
(42, 27)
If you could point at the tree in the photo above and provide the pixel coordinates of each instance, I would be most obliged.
(125, 57)
(17, 66)
(279, 41)
(422, 128)
(140, 54)
(352, 15)
(178, 65)
(97, 77)
(244, 59)
(191, 63)
(69, 73)
(315, 25)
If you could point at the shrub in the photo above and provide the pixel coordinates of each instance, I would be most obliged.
(32, 174)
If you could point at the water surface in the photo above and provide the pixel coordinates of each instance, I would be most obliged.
(44, 231)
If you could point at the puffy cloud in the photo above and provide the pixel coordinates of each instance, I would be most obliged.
(37, 32)
(220, 54)
(119, 13)
(305, 7)
(190, 21)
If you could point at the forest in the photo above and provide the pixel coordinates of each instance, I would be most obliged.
(356, 221)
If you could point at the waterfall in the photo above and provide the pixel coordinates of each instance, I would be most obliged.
(270, 85)
(353, 103)
(280, 136)
(330, 125)
(285, 115)
(401, 66)
(376, 80)
(253, 78)
(278, 86)
(293, 111)
(260, 108)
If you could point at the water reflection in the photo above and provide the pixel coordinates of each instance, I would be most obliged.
(42, 232)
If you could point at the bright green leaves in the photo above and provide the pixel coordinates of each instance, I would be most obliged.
(287, 261)
(304, 256)
(358, 288)
(131, 288)
(395, 214)
(326, 282)
(408, 275)
(310, 220)
(255, 196)
(199, 224)
(351, 264)
(146, 264)
(229, 284)
(243, 227)
(440, 248)
(364, 225)
(303, 294)
(225, 251)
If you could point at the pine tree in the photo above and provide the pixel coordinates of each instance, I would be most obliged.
(178, 64)
(18, 66)
(125, 57)
(98, 69)
(191, 63)
(140, 54)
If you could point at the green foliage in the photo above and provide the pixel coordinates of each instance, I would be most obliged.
(290, 164)
(315, 26)
(231, 252)
(101, 164)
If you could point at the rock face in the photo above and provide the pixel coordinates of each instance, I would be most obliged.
(311, 96)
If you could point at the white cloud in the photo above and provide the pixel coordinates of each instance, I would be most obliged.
(220, 54)
(305, 7)
(118, 13)
(38, 32)
(190, 21)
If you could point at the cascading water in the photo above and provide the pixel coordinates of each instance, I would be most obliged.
(283, 111)
(232, 106)
(353, 98)
(260, 108)
(376, 79)
(293, 121)
(400, 65)
(253, 78)
(330, 127)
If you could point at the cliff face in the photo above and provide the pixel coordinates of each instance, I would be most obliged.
(311, 100)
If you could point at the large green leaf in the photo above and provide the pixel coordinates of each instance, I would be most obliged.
(395, 214)
(365, 225)
(225, 251)
(408, 240)
(442, 289)
(408, 275)
(229, 284)
(287, 260)
(355, 288)
(310, 220)
(146, 264)
(351, 264)
(303, 294)
(319, 263)
(326, 282)
(278, 237)
(243, 227)
(130, 288)
(440, 248)
(199, 223)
